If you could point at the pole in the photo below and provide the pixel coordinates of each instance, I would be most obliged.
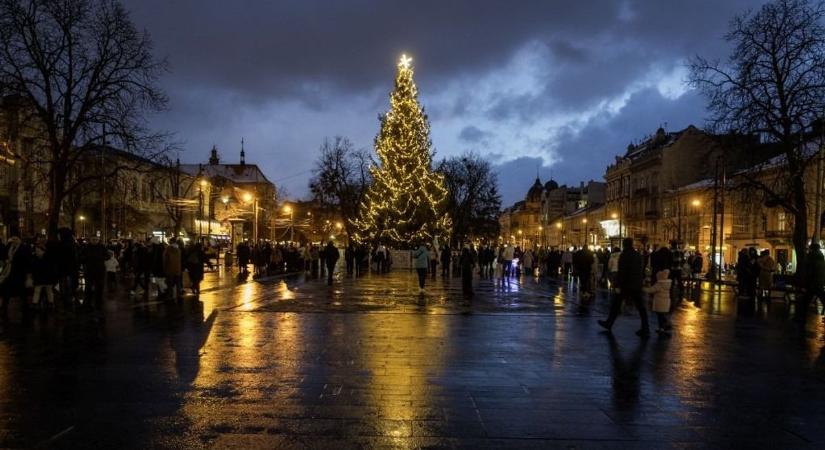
(291, 226)
(722, 218)
(713, 229)
(255, 225)
(818, 216)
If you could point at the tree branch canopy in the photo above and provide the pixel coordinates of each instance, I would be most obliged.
(86, 75)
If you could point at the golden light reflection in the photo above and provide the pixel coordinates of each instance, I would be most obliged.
(402, 365)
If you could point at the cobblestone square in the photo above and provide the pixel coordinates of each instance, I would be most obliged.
(371, 363)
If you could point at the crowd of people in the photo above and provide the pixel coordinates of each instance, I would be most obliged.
(46, 272)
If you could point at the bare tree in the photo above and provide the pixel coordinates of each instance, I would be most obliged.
(86, 75)
(473, 199)
(341, 177)
(174, 188)
(773, 86)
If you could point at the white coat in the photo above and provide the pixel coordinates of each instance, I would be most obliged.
(660, 291)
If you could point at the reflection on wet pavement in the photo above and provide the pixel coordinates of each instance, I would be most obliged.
(293, 363)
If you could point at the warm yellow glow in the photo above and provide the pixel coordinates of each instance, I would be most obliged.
(696, 202)
(558, 224)
(614, 216)
(519, 232)
(584, 220)
(247, 197)
(541, 227)
(405, 61)
(339, 225)
(82, 218)
(204, 183)
(225, 199)
(288, 209)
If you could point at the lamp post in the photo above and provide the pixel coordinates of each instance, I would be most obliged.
(83, 224)
(254, 200)
(584, 221)
(561, 233)
(521, 238)
(288, 210)
(696, 203)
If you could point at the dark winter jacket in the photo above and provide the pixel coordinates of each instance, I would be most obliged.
(630, 274)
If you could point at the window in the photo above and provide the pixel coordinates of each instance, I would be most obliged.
(781, 222)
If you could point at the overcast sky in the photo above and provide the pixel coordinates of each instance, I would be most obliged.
(557, 86)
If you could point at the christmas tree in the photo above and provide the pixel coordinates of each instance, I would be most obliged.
(406, 201)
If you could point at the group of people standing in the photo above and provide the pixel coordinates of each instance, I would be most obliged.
(65, 272)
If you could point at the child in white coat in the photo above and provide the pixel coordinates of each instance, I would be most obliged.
(660, 291)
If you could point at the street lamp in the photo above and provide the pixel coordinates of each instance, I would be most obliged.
(83, 224)
(247, 197)
(696, 204)
(288, 210)
(584, 221)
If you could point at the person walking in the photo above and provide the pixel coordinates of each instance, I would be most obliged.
(330, 257)
(613, 266)
(527, 262)
(112, 266)
(194, 266)
(422, 262)
(445, 260)
(660, 292)
(814, 280)
(629, 282)
(467, 262)
(349, 258)
(172, 268)
(43, 275)
(507, 255)
(567, 262)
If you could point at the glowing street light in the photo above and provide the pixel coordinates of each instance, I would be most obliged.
(696, 203)
(288, 210)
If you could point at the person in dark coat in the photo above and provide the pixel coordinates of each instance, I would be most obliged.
(94, 271)
(446, 253)
(243, 256)
(467, 262)
(68, 265)
(140, 266)
(194, 266)
(813, 280)
(349, 258)
(330, 257)
(629, 281)
(43, 275)
(14, 273)
(360, 256)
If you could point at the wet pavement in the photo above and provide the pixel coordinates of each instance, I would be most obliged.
(371, 363)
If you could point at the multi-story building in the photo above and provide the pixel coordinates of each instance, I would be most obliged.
(638, 180)
(538, 218)
(234, 201)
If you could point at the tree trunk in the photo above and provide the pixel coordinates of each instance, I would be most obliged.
(58, 184)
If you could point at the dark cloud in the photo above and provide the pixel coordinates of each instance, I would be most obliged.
(568, 82)
(472, 134)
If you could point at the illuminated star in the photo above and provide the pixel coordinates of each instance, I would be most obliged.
(405, 62)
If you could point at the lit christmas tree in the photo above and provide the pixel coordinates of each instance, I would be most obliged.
(405, 203)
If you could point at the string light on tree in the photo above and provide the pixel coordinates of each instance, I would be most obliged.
(406, 201)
